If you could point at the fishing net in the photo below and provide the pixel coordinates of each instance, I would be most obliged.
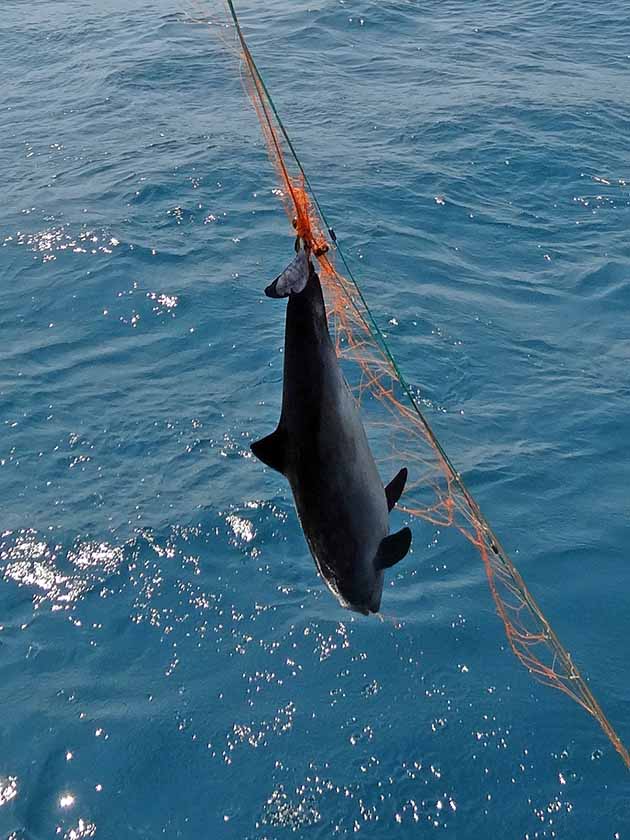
(436, 492)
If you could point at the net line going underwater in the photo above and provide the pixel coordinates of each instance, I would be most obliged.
(438, 494)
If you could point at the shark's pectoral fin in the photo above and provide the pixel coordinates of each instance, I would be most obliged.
(392, 549)
(394, 489)
(271, 450)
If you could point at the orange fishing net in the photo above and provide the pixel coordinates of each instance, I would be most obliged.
(437, 491)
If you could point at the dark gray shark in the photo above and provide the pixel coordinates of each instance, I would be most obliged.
(321, 447)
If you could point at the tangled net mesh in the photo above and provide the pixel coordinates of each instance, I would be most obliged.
(437, 493)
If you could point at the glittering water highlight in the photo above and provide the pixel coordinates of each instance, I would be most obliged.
(170, 663)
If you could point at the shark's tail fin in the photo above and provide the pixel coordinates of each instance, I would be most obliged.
(293, 279)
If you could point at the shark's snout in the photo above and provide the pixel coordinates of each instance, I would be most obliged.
(365, 603)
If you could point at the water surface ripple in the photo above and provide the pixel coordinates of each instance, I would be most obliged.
(170, 663)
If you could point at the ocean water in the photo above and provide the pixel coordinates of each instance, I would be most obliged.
(170, 664)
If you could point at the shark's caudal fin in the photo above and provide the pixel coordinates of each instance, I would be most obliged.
(271, 450)
(394, 489)
(392, 549)
(293, 279)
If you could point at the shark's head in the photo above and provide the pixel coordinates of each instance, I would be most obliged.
(363, 591)
(371, 603)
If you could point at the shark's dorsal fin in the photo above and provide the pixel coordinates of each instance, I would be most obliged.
(271, 450)
(392, 549)
(394, 489)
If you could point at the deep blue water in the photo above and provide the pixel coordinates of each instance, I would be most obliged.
(170, 664)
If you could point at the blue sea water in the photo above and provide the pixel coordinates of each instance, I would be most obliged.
(170, 664)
